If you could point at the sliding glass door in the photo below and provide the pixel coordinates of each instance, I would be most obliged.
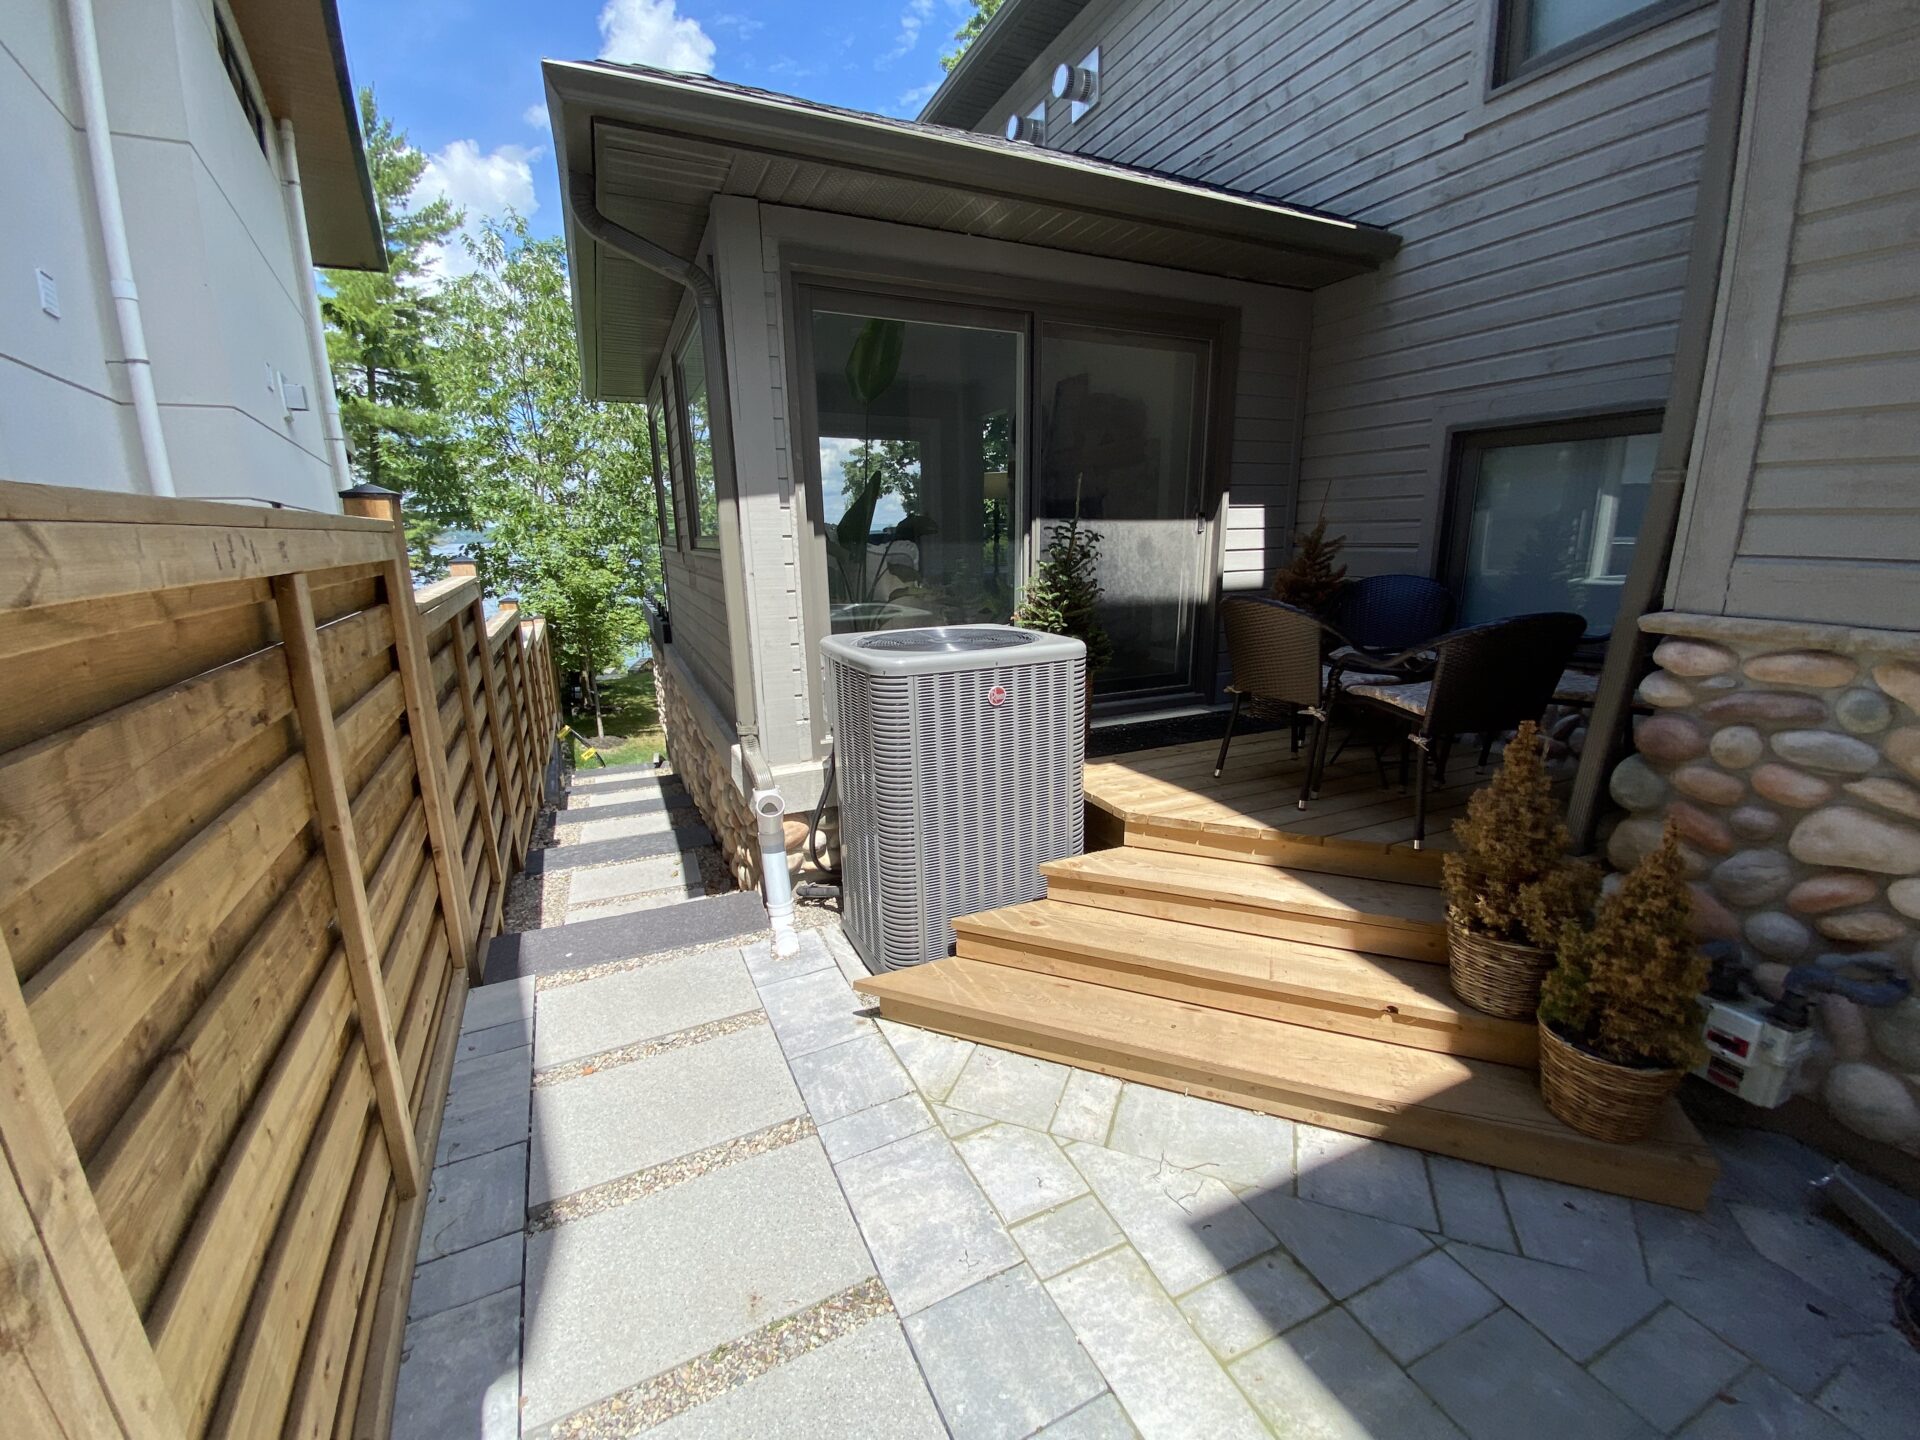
(934, 494)
(1120, 442)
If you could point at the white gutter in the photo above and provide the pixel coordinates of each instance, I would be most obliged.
(113, 234)
(316, 324)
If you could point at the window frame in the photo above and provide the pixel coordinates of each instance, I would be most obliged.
(664, 489)
(233, 59)
(696, 538)
(1452, 554)
(1509, 65)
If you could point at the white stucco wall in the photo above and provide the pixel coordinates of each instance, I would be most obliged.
(220, 294)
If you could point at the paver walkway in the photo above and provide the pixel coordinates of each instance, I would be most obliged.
(697, 1192)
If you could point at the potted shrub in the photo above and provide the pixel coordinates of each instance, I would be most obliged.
(1311, 579)
(1620, 1011)
(1511, 886)
(1063, 597)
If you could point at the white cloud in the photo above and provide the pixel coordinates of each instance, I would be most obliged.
(913, 20)
(910, 101)
(744, 27)
(485, 184)
(536, 116)
(653, 32)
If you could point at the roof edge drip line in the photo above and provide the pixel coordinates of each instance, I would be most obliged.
(693, 278)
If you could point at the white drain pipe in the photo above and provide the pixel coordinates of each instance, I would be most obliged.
(113, 235)
(316, 324)
(776, 882)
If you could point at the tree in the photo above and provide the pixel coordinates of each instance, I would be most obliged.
(969, 31)
(1063, 598)
(381, 329)
(559, 487)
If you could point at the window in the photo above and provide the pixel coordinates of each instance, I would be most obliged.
(236, 69)
(921, 485)
(1538, 34)
(662, 477)
(703, 495)
(1545, 518)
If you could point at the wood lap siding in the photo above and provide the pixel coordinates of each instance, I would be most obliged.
(1545, 228)
(1832, 523)
(179, 1016)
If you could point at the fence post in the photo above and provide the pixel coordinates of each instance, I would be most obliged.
(58, 1225)
(423, 722)
(483, 806)
(299, 636)
(506, 756)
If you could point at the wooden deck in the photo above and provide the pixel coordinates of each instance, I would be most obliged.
(1169, 800)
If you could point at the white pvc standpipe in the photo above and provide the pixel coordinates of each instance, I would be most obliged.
(776, 884)
(336, 438)
(113, 234)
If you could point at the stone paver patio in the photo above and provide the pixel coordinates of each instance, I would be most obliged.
(701, 1193)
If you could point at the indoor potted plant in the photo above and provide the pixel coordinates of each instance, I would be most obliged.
(1620, 1011)
(1511, 886)
(1063, 597)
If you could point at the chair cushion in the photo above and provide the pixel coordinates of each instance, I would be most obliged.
(1410, 696)
(1351, 678)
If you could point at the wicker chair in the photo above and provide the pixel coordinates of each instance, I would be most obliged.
(1385, 615)
(1275, 650)
(1486, 680)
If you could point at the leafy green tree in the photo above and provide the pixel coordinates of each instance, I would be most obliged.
(381, 328)
(969, 31)
(559, 487)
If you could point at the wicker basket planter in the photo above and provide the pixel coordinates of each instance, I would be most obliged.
(1618, 1103)
(1495, 977)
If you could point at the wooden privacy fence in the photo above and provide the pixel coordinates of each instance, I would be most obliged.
(259, 805)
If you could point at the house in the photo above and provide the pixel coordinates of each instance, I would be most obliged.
(1465, 278)
(160, 331)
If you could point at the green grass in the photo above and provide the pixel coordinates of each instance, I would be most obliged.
(632, 713)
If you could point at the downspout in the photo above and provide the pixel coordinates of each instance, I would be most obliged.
(1646, 579)
(113, 236)
(769, 806)
(335, 435)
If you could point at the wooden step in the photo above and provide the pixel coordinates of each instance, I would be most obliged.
(1402, 1002)
(1381, 917)
(1452, 1106)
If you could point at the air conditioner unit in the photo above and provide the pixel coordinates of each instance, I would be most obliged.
(959, 752)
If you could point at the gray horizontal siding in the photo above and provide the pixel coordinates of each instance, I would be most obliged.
(698, 607)
(1545, 228)
(1832, 522)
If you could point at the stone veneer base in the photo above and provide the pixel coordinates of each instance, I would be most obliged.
(1786, 756)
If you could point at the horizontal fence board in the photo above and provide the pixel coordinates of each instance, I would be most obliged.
(176, 929)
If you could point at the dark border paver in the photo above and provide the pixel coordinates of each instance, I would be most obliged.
(625, 937)
(627, 847)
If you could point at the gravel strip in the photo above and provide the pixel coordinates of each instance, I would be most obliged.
(727, 1366)
(659, 1045)
(643, 1183)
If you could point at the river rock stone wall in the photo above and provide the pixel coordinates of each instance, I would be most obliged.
(708, 775)
(1787, 757)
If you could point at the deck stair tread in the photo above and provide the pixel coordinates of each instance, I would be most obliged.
(1470, 1109)
(1379, 996)
(1382, 916)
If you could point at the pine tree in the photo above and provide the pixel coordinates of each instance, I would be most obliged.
(381, 331)
(1064, 595)
(1311, 579)
(1628, 989)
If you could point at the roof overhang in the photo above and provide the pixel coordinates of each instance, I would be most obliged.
(659, 146)
(298, 55)
(1017, 35)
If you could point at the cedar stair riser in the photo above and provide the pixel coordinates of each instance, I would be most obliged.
(1375, 998)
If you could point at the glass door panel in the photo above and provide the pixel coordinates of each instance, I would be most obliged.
(920, 473)
(1120, 418)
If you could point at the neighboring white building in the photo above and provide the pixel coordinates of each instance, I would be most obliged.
(204, 101)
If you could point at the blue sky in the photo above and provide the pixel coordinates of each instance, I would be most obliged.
(462, 77)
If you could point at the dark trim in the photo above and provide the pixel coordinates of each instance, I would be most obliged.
(1507, 70)
(350, 107)
(698, 538)
(665, 519)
